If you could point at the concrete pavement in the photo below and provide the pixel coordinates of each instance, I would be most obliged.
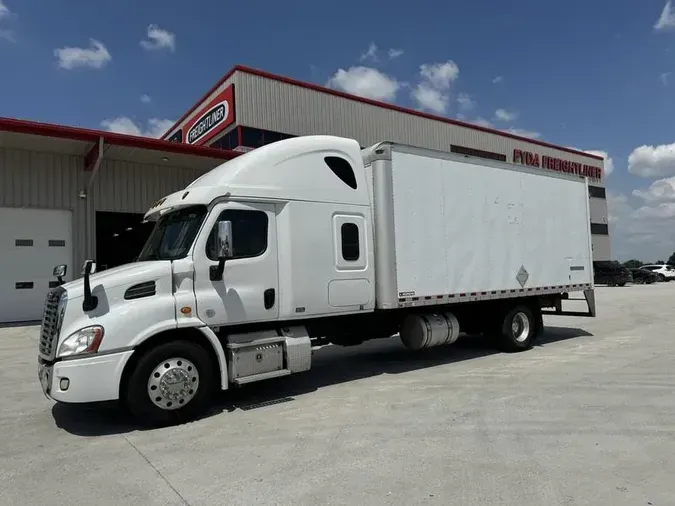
(586, 417)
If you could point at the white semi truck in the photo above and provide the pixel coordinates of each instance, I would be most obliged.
(309, 241)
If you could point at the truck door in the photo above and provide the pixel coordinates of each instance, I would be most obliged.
(249, 290)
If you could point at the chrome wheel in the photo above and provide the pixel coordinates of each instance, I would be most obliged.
(520, 326)
(173, 383)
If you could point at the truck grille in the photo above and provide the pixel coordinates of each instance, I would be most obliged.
(50, 323)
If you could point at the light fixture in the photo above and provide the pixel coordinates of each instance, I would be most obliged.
(116, 235)
(165, 158)
(129, 229)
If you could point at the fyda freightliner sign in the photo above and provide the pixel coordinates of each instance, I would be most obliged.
(209, 120)
(556, 164)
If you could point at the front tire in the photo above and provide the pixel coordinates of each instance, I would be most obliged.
(172, 383)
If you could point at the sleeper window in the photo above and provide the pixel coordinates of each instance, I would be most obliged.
(349, 233)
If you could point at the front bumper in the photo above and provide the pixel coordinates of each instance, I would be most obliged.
(88, 379)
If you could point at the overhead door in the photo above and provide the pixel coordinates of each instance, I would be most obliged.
(32, 242)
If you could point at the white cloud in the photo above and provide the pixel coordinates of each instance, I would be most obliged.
(159, 39)
(430, 99)
(431, 93)
(95, 56)
(465, 102)
(642, 231)
(664, 78)
(659, 191)
(4, 10)
(365, 82)
(652, 161)
(146, 99)
(482, 122)
(440, 75)
(609, 163)
(124, 125)
(8, 35)
(521, 132)
(504, 115)
(370, 54)
(666, 20)
(497, 80)
(394, 53)
(524, 133)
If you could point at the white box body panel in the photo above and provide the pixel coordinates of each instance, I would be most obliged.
(463, 227)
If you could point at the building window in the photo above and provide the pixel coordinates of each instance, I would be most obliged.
(342, 169)
(228, 141)
(599, 229)
(255, 137)
(249, 233)
(596, 192)
(177, 136)
(478, 153)
(349, 234)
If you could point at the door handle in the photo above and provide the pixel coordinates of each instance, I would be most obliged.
(268, 296)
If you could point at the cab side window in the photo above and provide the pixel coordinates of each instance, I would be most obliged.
(249, 231)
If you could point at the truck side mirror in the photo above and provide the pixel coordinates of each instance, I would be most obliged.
(224, 248)
(60, 271)
(225, 245)
(90, 301)
(89, 267)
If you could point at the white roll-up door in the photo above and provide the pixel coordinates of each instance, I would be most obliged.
(32, 242)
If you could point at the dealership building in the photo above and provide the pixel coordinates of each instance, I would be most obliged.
(67, 194)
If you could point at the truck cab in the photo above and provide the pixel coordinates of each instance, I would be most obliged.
(238, 266)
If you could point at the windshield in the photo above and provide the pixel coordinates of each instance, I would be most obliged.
(173, 234)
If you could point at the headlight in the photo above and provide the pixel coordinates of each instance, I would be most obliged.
(86, 340)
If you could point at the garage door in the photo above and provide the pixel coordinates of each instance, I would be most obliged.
(32, 242)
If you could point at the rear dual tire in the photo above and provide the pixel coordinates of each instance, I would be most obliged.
(517, 329)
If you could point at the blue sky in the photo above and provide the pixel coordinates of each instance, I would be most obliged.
(586, 74)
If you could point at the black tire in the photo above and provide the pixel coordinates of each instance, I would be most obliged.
(662, 278)
(509, 339)
(623, 283)
(137, 392)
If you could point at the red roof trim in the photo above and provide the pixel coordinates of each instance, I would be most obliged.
(131, 141)
(404, 110)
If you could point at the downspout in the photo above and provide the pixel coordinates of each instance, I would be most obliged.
(89, 212)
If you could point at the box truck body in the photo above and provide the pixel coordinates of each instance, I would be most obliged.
(455, 228)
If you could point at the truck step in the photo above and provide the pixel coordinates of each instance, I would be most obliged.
(263, 376)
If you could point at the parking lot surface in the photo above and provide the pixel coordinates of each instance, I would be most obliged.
(585, 417)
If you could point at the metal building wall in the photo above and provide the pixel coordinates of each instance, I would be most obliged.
(45, 181)
(53, 181)
(279, 106)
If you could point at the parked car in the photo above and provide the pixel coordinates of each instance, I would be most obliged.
(611, 272)
(643, 276)
(664, 272)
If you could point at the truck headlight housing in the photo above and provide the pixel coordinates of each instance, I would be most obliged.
(86, 340)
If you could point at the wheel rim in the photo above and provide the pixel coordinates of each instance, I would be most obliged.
(520, 326)
(173, 383)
